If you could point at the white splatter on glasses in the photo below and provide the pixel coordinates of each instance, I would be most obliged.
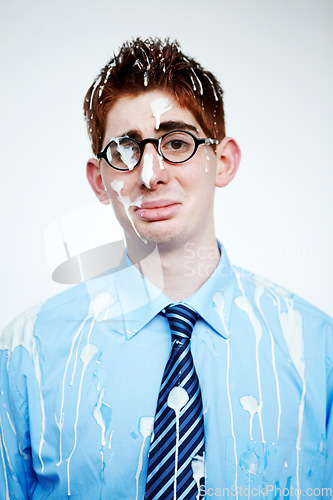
(177, 146)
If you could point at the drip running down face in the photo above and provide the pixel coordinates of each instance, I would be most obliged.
(160, 140)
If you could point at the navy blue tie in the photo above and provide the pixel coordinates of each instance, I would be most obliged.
(176, 457)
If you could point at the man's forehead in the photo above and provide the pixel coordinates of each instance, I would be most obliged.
(132, 115)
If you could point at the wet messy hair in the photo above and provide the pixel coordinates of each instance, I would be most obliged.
(154, 64)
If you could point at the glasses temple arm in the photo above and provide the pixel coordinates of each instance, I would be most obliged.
(211, 141)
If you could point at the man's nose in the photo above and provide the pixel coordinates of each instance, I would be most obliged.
(153, 171)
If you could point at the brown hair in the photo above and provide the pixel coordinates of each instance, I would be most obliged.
(144, 65)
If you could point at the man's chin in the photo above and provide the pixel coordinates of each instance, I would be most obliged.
(160, 236)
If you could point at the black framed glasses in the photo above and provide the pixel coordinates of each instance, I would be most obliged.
(177, 146)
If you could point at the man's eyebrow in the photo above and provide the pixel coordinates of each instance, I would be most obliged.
(133, 133)
(164, 127)
(174, 125)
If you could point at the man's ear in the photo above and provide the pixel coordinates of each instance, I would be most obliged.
(228, 158)
(96, 182)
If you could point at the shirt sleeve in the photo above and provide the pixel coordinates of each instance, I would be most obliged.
(17, 477)
(329, 425)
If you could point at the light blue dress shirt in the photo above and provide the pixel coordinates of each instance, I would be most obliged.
(80, 379)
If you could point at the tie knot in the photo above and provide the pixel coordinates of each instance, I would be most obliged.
(181, 320)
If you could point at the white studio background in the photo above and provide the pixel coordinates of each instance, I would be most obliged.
(274, 59)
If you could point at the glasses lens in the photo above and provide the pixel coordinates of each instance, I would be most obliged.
(177, 147)
(123, 153)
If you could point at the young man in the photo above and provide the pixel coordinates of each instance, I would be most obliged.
(178, 376)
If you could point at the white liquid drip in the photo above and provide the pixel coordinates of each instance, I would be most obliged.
(138, 63)
(231, 415)
(145, 77)
(126, 202)
(77, 351)
(160, 160)
(291, 325)
(60, 422)
(245, 305)
(100, 304)
(260, 288)
(97, 82)
(126, 155)
(97, 414)
(213, 87)
(158, 107)
(198, 80)
(11, 423)
(218, 304)
(100, 92)
(208, 159)
(146, 426)
(147, 169)
(198, 468)
(110, 440)
(102, 460)
(22, 334)
(4, 466)
(177, 399)
(88, 352)
(12, 471)
(193, 84)
(250, 404)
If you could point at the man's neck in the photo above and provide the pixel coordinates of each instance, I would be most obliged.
(177, 270)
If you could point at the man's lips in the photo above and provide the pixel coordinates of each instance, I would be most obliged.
(158, 210)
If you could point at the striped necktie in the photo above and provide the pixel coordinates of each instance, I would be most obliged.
(176, 458)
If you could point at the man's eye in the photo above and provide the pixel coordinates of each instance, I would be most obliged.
(176, 145)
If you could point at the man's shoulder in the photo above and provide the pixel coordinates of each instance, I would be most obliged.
(71, 304)
(57, 301)
(80, 298)
(256, 287)
(20, 330)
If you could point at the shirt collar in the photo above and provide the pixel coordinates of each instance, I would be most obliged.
(214, 299)
(138, 300)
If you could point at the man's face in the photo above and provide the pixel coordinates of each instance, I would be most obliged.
(157, 201)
